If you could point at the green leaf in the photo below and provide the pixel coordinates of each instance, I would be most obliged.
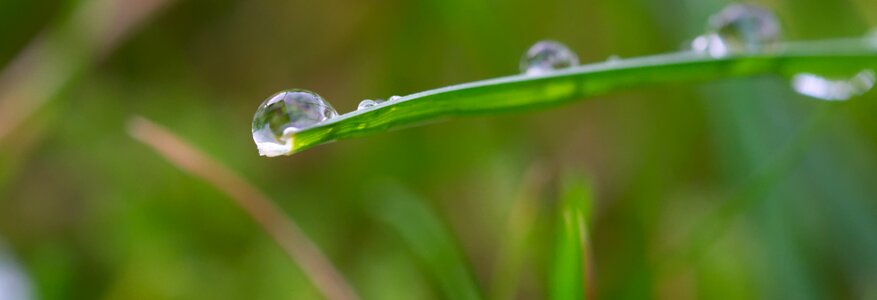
(569, 277)
(520, 92)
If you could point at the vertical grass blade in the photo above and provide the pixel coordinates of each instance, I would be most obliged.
(569, 276)
(430, 241)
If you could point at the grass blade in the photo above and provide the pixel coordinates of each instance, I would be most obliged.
(431, 241)
(569, 276)
(523, 92)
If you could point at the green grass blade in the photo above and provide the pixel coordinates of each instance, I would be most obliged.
(569, 278)
(521, 92)
(430, 241)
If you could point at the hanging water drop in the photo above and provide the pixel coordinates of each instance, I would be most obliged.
(547, 56)
(834, 89)
(285, 113)
(368, 103)
(739, 28)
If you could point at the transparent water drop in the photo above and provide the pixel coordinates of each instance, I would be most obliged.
(613, 59)
(394, 98)
(547, 56)
(368, 103)
(285, 113)
(709, 44)
(739, 28)
(834, 89)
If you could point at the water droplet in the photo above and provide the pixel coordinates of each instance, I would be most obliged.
(709, 44)
(285, 113)
(367, 103)
(547, 56)
(833, 89)
(613, 59)
(394, 98)
(739, 28)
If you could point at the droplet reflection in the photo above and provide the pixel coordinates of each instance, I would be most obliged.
(833, 89)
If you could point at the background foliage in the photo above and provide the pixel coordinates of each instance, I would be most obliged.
(733, 189)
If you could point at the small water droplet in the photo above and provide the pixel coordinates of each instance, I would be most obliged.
(613, 59)
(367, 103)
(285, 113)
(547, 56)
(394, 98)
(834, 89)
(709, 44)
(739, 28)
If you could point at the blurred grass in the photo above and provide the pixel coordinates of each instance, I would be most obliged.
(285, 232)
(570, 278)
(515, 248)
(430, 241)
(90, 213)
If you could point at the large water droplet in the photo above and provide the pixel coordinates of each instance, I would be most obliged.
(547, 56)
(833, 89)
(285, 113)
(739, 28)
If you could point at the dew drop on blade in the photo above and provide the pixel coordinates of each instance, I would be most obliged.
(394, 98)
(739, 28)
(613, 59)
(823, 88)
(367, 103)
(285, 113)
(709, 44)
(547, 56)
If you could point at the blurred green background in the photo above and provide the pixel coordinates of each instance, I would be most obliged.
(725, 190)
